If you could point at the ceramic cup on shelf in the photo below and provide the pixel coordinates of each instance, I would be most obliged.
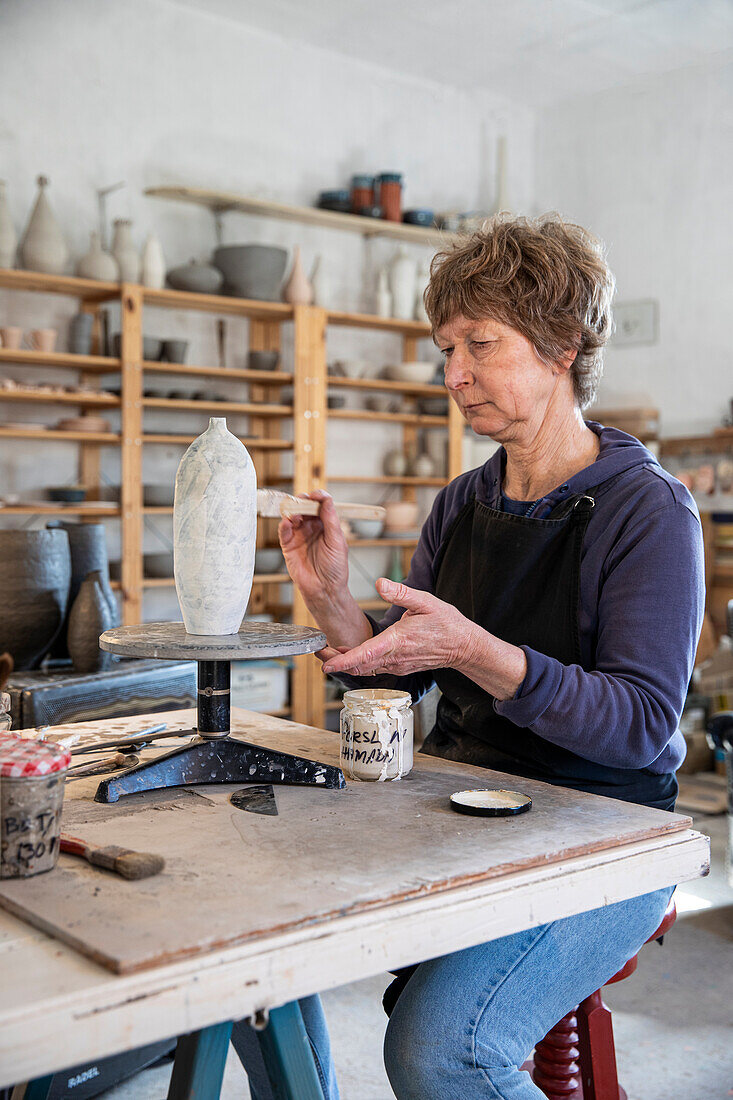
(12, 337)
(42, 339)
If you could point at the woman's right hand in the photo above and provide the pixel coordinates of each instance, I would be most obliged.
(316, 553)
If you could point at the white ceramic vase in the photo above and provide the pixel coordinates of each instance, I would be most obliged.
(8, 239)
(402, 276)
(98, 264)
(214, 531)
(43, 247)
(124, 251)
(153, 263)
(421, 285)
(320, 283)
(502, 204)
(297, 290)
(384, 295)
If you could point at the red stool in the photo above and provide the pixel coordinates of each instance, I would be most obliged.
(576, 1060)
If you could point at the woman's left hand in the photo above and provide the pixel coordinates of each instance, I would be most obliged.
(430, 634)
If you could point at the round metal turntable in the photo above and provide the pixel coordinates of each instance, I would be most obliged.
(215, 757)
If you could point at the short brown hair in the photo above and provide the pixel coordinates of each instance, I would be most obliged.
(542, 276)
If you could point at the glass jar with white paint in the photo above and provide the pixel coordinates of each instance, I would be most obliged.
(376, 734)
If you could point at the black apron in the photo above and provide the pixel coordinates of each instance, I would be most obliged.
(519, 578)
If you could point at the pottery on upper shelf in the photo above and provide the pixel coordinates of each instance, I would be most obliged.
(43, 247)
(252, 270)
(297, 290)
(153, 264)
(196, 278)
(8, 238)
(124, 251)
(98, 264)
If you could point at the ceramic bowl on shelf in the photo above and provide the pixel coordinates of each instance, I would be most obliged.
(269, 559)
(383, 403)
(66, 494)
(433, 406)
(415, 372)
(252, 270)
(174, 351)
(83, 424)
(352, 368)
(425, 218)
(158, 565)
(196, 278)
(367, 528)
(263, 360)
(152, 347)
(336, 401)
(400, 516)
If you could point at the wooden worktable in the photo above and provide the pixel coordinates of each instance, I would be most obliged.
(254, 911)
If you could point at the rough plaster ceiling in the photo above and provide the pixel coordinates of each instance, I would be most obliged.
(531, 51)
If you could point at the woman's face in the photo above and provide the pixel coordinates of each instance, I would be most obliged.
(497, 380)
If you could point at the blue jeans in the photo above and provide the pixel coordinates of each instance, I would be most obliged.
(465, 1022)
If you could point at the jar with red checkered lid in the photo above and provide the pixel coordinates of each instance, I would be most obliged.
(32, 775)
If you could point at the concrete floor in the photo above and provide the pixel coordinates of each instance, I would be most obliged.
(673, 1019)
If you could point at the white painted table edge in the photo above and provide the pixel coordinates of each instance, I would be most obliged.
(95, 1013)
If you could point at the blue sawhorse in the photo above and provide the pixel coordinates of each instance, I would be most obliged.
(198, 1068)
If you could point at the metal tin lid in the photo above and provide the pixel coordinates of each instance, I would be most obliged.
(484, 802)
(30, 759)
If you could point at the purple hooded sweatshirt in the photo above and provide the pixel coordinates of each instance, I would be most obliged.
(642, 598)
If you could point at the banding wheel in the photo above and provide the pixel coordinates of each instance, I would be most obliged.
(215, 757)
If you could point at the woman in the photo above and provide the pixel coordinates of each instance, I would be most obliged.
(556, 598)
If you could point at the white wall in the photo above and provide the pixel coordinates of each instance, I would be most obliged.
(649, 169)
(152, 93)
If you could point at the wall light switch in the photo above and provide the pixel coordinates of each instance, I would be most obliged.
(636, 323)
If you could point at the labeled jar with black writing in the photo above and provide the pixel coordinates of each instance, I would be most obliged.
(32, 775)
(376, 734)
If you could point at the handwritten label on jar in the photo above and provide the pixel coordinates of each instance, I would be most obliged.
(376, 734)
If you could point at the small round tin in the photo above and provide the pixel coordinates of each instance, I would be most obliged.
(485, 802)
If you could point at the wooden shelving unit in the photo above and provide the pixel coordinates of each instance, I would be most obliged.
(224, 202)
(274, 431)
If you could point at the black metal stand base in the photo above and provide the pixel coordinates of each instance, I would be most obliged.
(224, 760)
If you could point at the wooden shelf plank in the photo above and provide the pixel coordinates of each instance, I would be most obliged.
(246, 408)
(48, 509)
(722, 574)
(217, 303)
(56, 434)
(372, 605)
(251, 444)
(221, 202)
(97, 364)
(418, 419)
(344, 319)
(88, 290)
(437, 482)
(230, 374)
(333, 704)
(96, 400)
(419, 389)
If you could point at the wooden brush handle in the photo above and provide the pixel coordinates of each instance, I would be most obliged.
(344, 510)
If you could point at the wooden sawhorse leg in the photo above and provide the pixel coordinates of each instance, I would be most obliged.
(278, 1056)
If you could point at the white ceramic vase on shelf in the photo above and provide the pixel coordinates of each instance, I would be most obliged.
(502, 204)
(320, 283)
(98, 264)
(43, 247)
(402, 275)
(297, 290)
(8, 239)
(421, 284)
(384, 296)
(153, 263)
(214, 531)
(124, 251)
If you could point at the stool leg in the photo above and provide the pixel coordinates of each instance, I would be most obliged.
(288, 1057)
(597, 1051)
(198, 1067)
(34, 1090)
(556, 1069)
